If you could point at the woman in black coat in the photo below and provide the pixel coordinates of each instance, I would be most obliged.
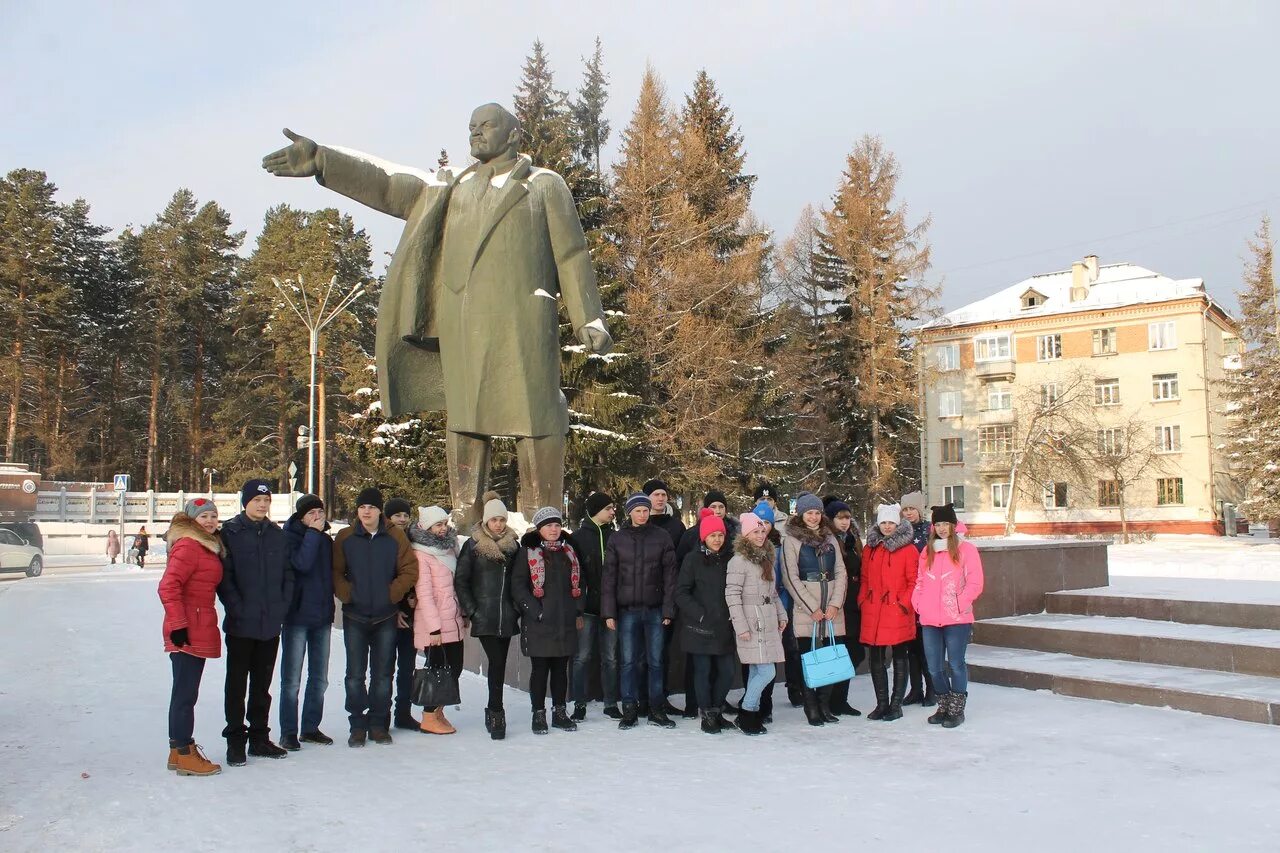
(705, 626)
(547, 586)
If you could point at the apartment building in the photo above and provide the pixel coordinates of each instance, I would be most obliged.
(1156, 351)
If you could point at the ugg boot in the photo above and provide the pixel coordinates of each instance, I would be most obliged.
(899, 687)
(749, 723)
(956, 715)
(944, 708)
(434, 723)
(560, 719)
(191, 762)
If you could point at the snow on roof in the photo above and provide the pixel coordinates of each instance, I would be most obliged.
(1116, 285)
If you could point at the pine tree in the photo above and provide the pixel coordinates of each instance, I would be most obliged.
(546, 121)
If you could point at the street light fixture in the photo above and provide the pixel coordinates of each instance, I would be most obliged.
(315, 318)
(209, 472)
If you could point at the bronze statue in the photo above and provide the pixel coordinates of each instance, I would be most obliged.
(467, 320)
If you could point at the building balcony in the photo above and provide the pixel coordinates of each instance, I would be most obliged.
(986, 417)
(994, 463)
(991, 371)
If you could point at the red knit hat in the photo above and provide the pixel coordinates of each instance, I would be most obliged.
(708, 523)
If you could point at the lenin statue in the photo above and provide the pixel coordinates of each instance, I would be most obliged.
(467, 319)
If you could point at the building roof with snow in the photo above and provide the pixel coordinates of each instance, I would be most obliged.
(1085, 287)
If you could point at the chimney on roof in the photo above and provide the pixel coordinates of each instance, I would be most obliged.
(1083, 274)
(1091, 268)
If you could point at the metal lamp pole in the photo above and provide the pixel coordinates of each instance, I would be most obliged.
(315, 318)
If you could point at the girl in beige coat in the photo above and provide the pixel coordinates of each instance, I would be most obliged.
(758, 616)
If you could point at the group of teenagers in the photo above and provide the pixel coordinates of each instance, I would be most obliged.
(730, 595)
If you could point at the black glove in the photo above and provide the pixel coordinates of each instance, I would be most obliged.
(179, 637)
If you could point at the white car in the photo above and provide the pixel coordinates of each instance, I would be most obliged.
(17, 555)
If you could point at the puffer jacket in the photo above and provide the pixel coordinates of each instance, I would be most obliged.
(705, 627)
(310, 552)
(639, 571)
(754, 606)
(592, 541)
(257, 580)
(888, 577)
(483, 583)
(188, 587)
(945, 592)
(548, 623)
(813, 572)
(670, 522)
(438, 611)
(372, 572)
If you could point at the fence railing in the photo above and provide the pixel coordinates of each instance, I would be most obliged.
(139, 507)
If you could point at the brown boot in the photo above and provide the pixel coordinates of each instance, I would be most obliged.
(191, 762)
(173, 758)
(434, 723)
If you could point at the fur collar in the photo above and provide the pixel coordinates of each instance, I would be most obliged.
(900, 537)
(425, 540)
(184, 526)
(760, 556)
(496, 550)
(797, 530)
(533, 539)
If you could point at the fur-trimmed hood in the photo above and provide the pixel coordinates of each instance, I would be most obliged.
(497, 550)
(796, 529)
(900, 537)
(184, 526)
(425, 540)
(762, 555)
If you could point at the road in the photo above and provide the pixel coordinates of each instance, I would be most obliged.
(74, 564)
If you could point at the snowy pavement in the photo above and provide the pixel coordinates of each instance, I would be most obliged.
(84, 690)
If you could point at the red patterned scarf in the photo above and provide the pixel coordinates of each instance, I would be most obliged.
(538, 567)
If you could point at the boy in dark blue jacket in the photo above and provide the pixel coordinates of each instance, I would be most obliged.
(308, 624)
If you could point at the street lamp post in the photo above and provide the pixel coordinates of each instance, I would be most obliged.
(209, 472)
(315, 318)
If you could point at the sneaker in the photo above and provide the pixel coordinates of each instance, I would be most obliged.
(290, 742)
(317, 737)
(658, 718)
(357, 738)
(612, 712)
(191, 762)
(380, 736)
(579, 712)
(264, 748)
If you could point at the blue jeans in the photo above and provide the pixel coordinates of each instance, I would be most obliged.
(371, 651)
(944, 649)
(296, 642)
(759, 676)
(641, 628)
(596, 643)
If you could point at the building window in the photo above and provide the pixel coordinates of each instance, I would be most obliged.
(949, 404)
(1050, 393)
(953, 495)
(1032, 299)
(1106, 392)
(952, 451)
(1162, 335)
(1055, 495)
(949, 357)
(1169, 491)
(1232, 346)
(1000, 495)
(991, 348)
(1104, 341)
(1169, 439)
(999, 398)
(1108, 493)
(1164, 386)
(995, 439)
(1110, 442)
(1048, 347)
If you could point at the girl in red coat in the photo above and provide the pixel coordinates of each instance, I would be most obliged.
(888, 622)
(191, 636)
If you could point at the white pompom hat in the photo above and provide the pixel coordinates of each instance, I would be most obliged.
(429, 516)
(888, 512)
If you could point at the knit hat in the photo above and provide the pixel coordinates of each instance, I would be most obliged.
(947, 512)
(888, 512)
(714, 496)
(766, 490)
(748, 522)
(597, 501)
(835, 507)
(430, 516)
(493, 507)
(764, 512)
(913, 499)
(638, 500)
(807, 502)
(305, 504)
(708, 523)
(396, 505)
(653, 486)
(253, 488)
(196, 506)
(370, 497)
(547, 515)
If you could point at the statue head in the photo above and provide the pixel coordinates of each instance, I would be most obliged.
(494, 132)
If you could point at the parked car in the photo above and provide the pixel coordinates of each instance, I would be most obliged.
(18, 554)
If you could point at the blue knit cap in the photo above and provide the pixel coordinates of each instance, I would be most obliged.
(764, 512)
(638, 500)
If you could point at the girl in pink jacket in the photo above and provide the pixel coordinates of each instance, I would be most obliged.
(948, 583)
(437, 620)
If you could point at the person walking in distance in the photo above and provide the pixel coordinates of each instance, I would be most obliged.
(757, 615)
(399, 512)
(597, 645)
(113, 545)
(889, 563)
(438, 619)
(141, 544)
(308, 624)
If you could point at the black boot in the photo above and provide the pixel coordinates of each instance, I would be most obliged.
(812, 711)
(290, 742)
(766, 707)
(317, 737)
(795, 695)
(405, 720)
(749, 722)
(540, 722)
(824, 705)
(930, 697)
(956, 713)
(560, 719)
(880, 682)
(499, 730)
(630, 716)
(264, 748)
(729, 710)
(916, 667)
(725, 723)
(612, 712)
(660, 719)
(899, 687)
(691, 711)
(709, 723)
(579, 711)
(235, 752)
(840, 700)
(944, 708)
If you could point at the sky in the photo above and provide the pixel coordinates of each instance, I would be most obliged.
(1033, 133)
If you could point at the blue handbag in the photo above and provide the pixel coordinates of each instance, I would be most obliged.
(828, 664)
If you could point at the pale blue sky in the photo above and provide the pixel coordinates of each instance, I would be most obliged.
(1030, 130)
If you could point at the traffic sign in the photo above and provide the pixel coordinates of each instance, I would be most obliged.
(122, 482)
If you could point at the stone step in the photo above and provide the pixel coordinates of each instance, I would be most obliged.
(1249, 651)
(1252, 698)
(1236, 604)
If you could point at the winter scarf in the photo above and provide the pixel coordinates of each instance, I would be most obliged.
(446, 542)
(497, 550)
(901, 536)
(538, 567)
(815, 539)
(762, 556)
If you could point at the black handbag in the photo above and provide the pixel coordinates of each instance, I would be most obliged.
(433, 684)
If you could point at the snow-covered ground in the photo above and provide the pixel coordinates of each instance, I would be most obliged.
(1215, 557)
(84, 689)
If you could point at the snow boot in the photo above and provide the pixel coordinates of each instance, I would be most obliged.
(630, 716)
(540, 722)
(191, 762)
(669, 709)
(880, 682)
(290, 742)
(495, 723)
(406, 720)
(172, 763)
(840, 700)
(824, 704)
(357, 738)
(612, 712)
(264, 748)
(235, 753)
(380, 736)
(899, 687)
(434, 723)
(812, 710)
(317, 737)
(709, 724)
(730, 710)
(944, 708)
(579, 712)
(560, 719)
(749, 723)
(956, 715)
(661, 720)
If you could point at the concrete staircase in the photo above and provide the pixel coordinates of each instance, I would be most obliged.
(1207, 646)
